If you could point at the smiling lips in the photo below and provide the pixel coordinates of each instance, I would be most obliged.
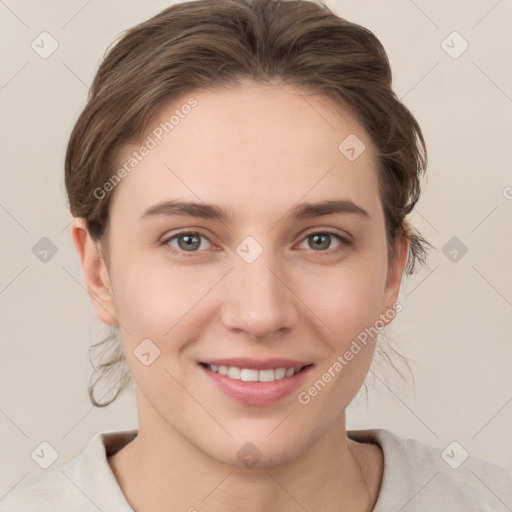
(256, 382)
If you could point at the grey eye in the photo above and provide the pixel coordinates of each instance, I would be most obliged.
(188, 241)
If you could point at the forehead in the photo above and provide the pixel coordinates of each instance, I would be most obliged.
(250, 146)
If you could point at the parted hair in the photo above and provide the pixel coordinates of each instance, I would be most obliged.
(206, 43)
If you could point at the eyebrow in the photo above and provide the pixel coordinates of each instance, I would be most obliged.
(212, 211)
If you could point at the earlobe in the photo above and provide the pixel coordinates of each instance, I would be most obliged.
(95, 273)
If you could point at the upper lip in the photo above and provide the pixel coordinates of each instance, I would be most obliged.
(258, 364)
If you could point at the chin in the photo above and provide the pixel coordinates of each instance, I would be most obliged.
(257, 452)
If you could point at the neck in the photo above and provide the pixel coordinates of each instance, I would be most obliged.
(161, 470)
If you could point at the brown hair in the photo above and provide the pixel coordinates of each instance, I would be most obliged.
(200, 44)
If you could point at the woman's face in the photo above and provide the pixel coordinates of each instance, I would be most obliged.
(264, 287)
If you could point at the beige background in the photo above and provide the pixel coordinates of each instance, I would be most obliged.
(457, 316)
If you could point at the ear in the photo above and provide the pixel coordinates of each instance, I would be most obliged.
(95, 272)
(395, 271)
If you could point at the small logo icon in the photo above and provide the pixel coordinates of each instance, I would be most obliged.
(146, 352)
(454, 455)
(454, 45)
(44, 455)
(44, 45)
(249, 249)
(351, 147)
(44, 250)
(454, 249)
(249, 455)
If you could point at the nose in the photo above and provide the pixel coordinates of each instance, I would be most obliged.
(258, 300)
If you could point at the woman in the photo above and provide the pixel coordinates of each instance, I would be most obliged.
(240, 179)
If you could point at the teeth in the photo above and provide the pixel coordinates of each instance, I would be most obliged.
(234, 372)
(280, 373)
(266, 375)
(248, 375)
(251, 375)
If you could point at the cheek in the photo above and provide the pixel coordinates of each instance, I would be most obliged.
(347, 299)
(157, 301)
(348, 303)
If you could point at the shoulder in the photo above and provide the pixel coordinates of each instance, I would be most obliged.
(421, 477)
(42, 492)
(83, 484)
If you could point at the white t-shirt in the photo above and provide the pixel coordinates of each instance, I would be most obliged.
(416, 477)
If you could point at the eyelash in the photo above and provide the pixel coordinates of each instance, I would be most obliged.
(344, 245)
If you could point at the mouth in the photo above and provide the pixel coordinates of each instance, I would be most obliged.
(254, 374)
(253, 382)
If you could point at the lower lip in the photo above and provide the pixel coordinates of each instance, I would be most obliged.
(257, 393)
